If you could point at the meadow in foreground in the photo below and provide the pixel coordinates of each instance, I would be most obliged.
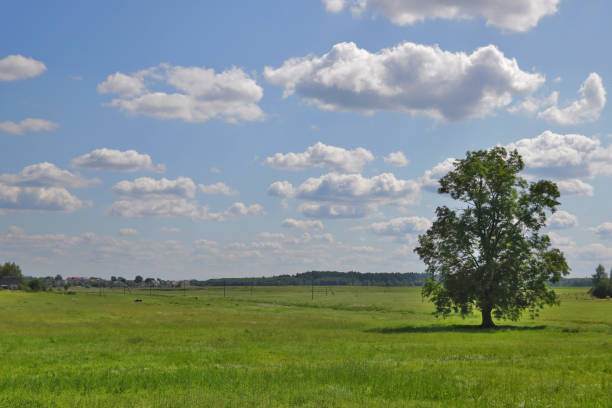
(361, 346)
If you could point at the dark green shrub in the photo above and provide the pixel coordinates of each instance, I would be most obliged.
(601, 289)
(35, 285)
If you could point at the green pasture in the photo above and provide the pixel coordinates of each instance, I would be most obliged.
(277, 347)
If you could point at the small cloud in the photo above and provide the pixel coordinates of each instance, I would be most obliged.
(215, 170)
(16, 67)
(531, 105)
(217, 188)
(282, 189)
(302, 224)
(163, 207)
(516, 15)
(396, 159)
(15, 198)
(116, 160)
(170, 229)
(321, 155)
(575, 187)
(559, 240)
(46, 175)
(586, 109)
(128, 231)
(603, 230)
(192, 94)
(271, 235)
(400, 228)
(27, 125)
(148, 187)
(562, 220)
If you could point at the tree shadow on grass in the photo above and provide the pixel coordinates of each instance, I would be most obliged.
(463, 328)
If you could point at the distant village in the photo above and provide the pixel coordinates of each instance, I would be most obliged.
(14, 282)
(94, 282)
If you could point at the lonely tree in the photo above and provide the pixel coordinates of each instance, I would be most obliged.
(488, 253)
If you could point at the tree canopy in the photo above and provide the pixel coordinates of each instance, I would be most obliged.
(488, 254)
(602, 285)
(10, 269)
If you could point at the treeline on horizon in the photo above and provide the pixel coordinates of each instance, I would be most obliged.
(335, 278)
(324, 278)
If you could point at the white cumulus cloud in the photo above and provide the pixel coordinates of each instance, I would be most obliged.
(200, 94)
(282, 189)
(128, 231)
(149, 187)
(321, 155)
(327, 210)
(122, 84)
(532, 104)
(239, 208)
(429, 181)
(396, 159)
(217, 188)
(384, 189)
(179, 207)
(575, 187)
(515, 15)
(16, 67)
(604, 230)
(16, 198)
(562, 220)
(336, 195)
(116, 160)
(414, 78)
(46, 175)
(27, 125)
(564, 156)
(586, 109)
(400, 226)
(302, 224)
(334, 6)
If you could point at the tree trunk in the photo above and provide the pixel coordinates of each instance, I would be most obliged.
(487, 320)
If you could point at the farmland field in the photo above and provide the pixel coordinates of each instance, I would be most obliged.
(357, 346)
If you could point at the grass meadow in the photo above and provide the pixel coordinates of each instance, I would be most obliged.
(276, 347)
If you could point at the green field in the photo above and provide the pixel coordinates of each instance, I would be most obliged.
(361, 346)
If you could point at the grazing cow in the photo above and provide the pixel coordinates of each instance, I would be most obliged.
(137, 300)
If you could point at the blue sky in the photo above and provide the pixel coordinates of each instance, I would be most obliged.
(227, 138)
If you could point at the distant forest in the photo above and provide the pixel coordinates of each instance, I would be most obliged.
(323, 278)
(334, 278)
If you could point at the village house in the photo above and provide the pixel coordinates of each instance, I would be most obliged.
(10, 282)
